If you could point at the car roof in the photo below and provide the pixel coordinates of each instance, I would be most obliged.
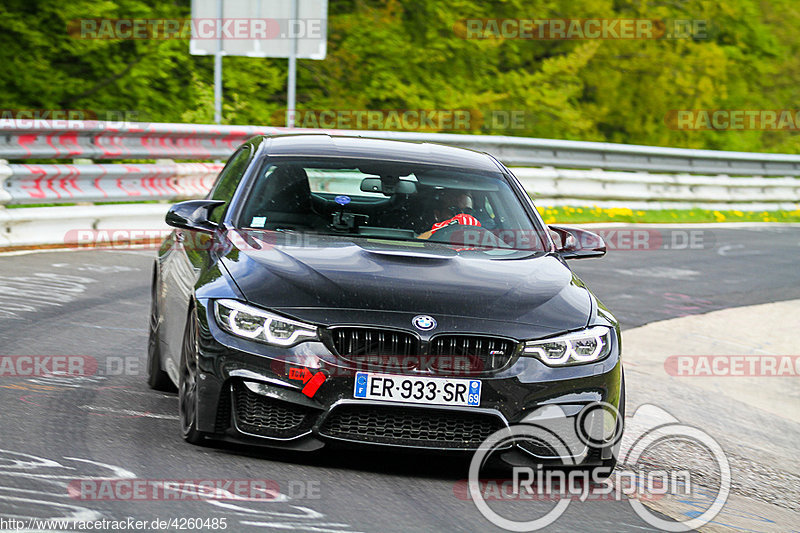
(324, 145)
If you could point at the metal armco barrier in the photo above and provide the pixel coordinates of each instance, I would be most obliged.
(36, 184)
(62, 225)
(644, 190)
(27, 139)
(107, 140)
(570, 173)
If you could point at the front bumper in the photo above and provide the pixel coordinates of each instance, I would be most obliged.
(256, 394)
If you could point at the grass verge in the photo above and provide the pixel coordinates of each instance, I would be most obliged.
(566, 214)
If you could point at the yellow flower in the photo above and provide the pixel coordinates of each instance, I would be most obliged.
(719, 216)
(623, 211)
(738, 213)
(639, 213)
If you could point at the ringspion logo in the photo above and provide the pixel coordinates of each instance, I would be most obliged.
(569, 439)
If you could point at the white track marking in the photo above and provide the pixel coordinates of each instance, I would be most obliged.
(659, 272)
(322, 528)
(48, 503)
(127, 412)
(252, 516)
(728, 250)
(99, 269)
(67, 381)
(42, 289)
(39, 469)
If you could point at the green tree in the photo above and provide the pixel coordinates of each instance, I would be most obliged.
(412, 54)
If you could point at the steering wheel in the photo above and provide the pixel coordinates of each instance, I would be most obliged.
(484, 238)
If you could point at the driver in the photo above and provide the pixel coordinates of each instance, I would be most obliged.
(455, 208)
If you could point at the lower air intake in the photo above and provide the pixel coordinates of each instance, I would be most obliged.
(268, 417)
(410, 426)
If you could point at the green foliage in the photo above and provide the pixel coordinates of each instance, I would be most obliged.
(409, 55)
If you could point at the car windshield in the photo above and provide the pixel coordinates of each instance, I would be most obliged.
(389, 200)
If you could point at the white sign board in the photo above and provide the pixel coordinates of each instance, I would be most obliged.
(260, 28)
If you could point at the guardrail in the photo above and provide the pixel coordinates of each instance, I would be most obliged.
(37, 184)
(589, 173)
(25, 139)
(639, 190)
(103, 141)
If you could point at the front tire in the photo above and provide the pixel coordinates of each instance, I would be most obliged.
(187, 384)
(608, 465)
(157, 379)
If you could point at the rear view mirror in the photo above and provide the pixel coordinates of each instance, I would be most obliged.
(388, 187)
(578, 243)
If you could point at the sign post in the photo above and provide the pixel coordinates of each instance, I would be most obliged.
(218, 70)
(292, 75)
(294, 29)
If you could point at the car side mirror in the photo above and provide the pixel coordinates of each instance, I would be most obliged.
(578, 243)
(193, 215)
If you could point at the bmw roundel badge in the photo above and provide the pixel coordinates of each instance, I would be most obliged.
(424, 322)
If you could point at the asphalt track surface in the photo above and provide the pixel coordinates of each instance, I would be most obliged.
(110, 425)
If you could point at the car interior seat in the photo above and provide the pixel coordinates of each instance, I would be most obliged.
(284, 198)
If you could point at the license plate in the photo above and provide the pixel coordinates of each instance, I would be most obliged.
(433, 391)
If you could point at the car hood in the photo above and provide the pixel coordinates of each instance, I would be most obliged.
(338, 280)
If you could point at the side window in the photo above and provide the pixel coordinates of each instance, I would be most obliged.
(228, 180)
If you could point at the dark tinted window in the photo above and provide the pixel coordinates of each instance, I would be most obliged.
(402, 201)
(228, 180)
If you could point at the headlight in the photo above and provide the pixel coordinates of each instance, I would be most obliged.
(580, 347)
(259, 325)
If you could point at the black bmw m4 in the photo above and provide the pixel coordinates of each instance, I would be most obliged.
(374, 293)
